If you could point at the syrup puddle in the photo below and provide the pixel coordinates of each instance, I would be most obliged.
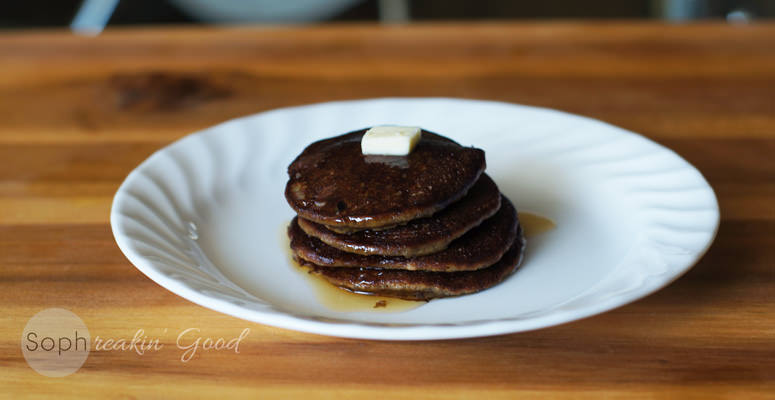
(534, 224)
(341, 300)
(337, 299)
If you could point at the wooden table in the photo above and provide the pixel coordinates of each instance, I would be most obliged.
(77, 114)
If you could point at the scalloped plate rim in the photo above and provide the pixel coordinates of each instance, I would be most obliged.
(385, 331)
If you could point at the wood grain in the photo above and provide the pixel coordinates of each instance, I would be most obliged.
(77, 114)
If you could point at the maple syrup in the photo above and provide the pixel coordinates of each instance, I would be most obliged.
(534, 224)
(337, 299)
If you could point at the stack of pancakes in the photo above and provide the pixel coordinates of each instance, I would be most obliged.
(426, 225)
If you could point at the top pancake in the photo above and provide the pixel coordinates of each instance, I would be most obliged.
(419, 236)
(333, 183)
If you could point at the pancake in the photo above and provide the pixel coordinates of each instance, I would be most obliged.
(333, 183)
(421, 285)
(478, 248)
(420, 236)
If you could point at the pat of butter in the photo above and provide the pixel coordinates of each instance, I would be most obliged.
(390, 140)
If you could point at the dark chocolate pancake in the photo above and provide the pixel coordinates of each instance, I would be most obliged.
(478, 248)
(420, 236)
(333, 183)
(421, 285)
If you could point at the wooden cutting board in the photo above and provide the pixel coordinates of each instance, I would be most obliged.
(78, 113)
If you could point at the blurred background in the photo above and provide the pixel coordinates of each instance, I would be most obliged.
(93, 15)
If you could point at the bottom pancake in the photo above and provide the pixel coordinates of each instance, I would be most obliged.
(422, 285)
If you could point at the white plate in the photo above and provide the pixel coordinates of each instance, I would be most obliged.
(205, 217)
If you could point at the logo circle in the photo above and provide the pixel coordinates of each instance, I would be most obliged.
(55, 342)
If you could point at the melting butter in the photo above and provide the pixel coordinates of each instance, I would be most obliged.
(390, 140)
